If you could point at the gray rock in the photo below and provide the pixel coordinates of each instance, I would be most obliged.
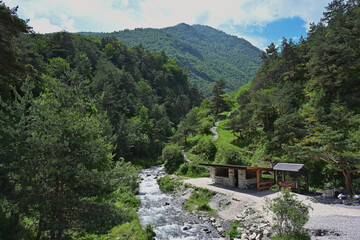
(252, 236)
(220, 229)
(266, 233)
(263, 225)
(258, 237)
(240, 230)
(185, 228)
(217, 225)
(244, 236)
(212, 219)
(253, 228)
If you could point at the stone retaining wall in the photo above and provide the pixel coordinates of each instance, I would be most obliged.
(225, 181)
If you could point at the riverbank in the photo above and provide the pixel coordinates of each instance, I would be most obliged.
(323, 218)
(166, 215)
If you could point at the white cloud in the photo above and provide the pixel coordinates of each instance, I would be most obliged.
(43, 25)
(68, 24)
(260, 42)
(112, 15)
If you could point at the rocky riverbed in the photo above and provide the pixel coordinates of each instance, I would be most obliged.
(165, 213)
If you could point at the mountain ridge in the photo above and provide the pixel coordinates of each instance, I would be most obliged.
(207, 53)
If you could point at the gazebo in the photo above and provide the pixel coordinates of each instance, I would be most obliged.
(293, 175)
(241, 176)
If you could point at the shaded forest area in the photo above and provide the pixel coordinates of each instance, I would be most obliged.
(75, 112)
(302, 106)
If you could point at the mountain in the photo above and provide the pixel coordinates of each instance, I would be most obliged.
(208, 54)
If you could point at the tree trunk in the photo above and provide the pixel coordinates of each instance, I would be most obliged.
(14, 221)
(349, 186)
(39, 231)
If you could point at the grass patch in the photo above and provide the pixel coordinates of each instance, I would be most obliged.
(143, 163)
(225, 135)
(233, 232)
(199, 200)
(168, 184)
(193, 170)
(191, 142)
(295, 236)
(131, 231)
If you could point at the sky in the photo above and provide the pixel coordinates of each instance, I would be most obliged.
(261, 22)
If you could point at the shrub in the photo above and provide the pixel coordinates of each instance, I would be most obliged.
(168, 184)
(172, 157)
(192, 169)
(199, 200)
(294, 236)
(289, 214)
(206, 124)
(233, 232)
(149, 232)
(230, 155)
(206, 148)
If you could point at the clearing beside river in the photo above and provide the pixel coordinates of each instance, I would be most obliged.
(342, 219)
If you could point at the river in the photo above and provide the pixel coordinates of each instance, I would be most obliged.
(165, 213)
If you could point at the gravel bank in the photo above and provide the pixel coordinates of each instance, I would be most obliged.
(347, 226)
(332, 217)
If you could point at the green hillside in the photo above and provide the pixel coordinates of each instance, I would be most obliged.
(303, 106)
(77, 116)
(207, 53)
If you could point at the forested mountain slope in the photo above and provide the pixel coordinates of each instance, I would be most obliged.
(302, 106)
(72, 108)
(207, 53)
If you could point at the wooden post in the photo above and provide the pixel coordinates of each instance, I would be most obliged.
(257, 179)
(275, 173)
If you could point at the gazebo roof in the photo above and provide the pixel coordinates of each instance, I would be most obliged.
(289, 167)
(250, 168)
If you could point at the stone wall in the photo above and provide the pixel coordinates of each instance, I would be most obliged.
(212, 174)
(242, 178)
(228, 181)
(225, 181)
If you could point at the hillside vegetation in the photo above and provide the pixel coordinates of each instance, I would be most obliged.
(76, 115)
(207, 54)
(302, 106)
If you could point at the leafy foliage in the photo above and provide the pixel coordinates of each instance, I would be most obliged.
(168, 184)
(199, 200)
(206, 53)
(75, 111)
(172, 157)
(303, 105)
(289, 214)
(192, 169)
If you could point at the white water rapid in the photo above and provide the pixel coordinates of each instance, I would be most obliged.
(165, 213)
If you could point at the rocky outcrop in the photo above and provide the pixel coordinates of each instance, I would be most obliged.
(255, 226)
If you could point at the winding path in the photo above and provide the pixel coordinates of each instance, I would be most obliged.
(213, 130)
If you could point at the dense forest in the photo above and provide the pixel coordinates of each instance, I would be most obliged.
(208, 54)
(77, 114)
(302, 106)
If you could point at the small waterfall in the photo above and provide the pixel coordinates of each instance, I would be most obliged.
(165, 213)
